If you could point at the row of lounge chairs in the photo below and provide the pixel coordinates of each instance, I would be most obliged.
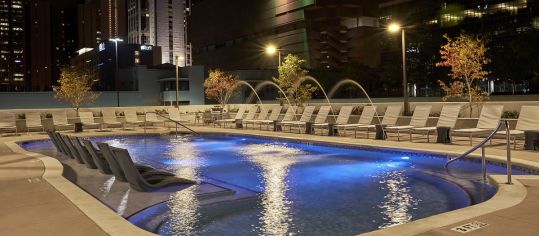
(60, 121)
(114, 161)
(488, 120)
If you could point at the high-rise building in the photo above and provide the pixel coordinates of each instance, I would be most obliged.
(64, 34)
(38, 44)
(160, 23)
(101, 20)
(326, 33)
(13, 76)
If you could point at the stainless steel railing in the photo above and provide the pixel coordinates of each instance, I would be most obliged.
(171, 120)
(503, 123)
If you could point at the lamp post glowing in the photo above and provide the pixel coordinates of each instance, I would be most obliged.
(271, 50)
(116, 40)
(178, 81)
(394, 27)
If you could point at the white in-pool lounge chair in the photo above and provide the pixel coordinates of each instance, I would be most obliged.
(59, 120)
(238, 116)
(131, 118)
(321, 117)
(448, 118)
(109, 118)
(261, 116)
(274, 116)
(528, 119)
(342, 119)
(33, 121)
(390, 119)
(87, 119)
(8, 121)
(488, 120)
(365, 119)
(305, 117)
(419, 119)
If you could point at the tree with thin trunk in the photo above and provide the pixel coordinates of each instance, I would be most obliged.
(465, 56)
(290, 74)
(75, 87)
(221, 86)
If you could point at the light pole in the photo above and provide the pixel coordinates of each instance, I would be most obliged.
(270, 50)
(116, 40)
(178, 81)
(394, 27)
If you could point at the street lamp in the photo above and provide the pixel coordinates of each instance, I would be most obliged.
(271, 50)
(395, 27)
(116, 40)
(178, 80)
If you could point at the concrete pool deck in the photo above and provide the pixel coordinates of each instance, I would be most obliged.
(36, 199)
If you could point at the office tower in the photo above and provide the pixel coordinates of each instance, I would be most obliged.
(38, 44)
(101, 20)
(160, 23)
(12, 58)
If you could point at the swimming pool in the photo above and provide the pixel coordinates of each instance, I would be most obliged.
(300, 188)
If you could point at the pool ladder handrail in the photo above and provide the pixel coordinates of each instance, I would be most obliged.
(502, 123)
(168, 118)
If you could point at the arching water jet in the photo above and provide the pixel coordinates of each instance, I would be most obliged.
(308, 77)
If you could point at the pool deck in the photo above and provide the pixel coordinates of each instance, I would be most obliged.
(37, 200)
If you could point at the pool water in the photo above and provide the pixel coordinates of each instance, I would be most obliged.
(301, 188)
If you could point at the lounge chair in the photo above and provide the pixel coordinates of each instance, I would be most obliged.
(83, 153)
(144, 170)
(390, 119)
(33, 121)
(59, 119)
(305, 117)
(137, 181)
(342, 118)
(97, 156)
(109, 118)
(72, 153)
(273, 116)
(131, 118)
(87, 119)
(321, 117)
(63, 147)
(225, 122)
(54, 141)
(250, 115)
(8, 121)
(488, 120)
(151, 118)
(365, 119)
(261, 116)
(174, 114)
(419, 119)
(528, 119)
(448, 118)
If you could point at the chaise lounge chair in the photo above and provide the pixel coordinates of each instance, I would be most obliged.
(174, 114)
(131, 118)
(83, 153)
(59, 120)
(33, 121)
(97, 156)
(342, 118)
(8, 121)
(488, 120)
(109, 118)
(238, 116)
(390, 119)
(273, 116)
(261, 116)
(365, 119)
(321, 117)
(528, 119)
(87, 119)
(305, 117)
(72, 153)
(419, 120)
(448, 118)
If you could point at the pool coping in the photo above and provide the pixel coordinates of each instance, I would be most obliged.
(506, 196)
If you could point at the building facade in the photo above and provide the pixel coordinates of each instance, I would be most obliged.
(101, 20)
(324, 33)
(160, 23)
(13, 75)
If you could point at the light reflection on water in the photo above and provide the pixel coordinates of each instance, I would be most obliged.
(275, 161)
(398, 202)
(184, 204)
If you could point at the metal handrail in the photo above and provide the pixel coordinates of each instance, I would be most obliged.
(482, 146)
(168, 118)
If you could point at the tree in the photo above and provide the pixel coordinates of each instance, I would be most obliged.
(220, 86)
(75, 87)
(465, 56)
(290, 76)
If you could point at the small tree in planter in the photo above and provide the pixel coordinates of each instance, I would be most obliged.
(290, 73)
(75, 87)
(221, 86)
(466, 56)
